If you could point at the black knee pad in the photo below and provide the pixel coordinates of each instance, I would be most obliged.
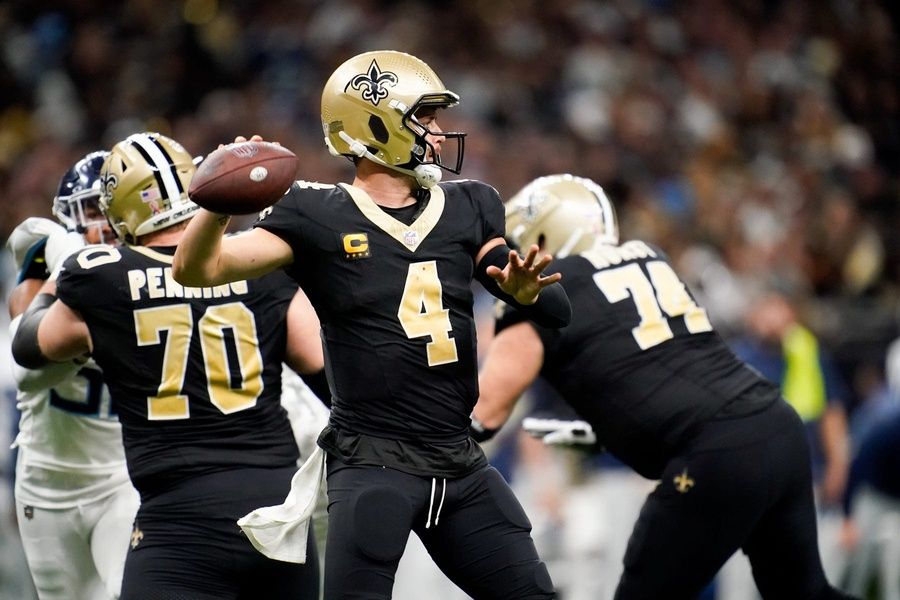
(381, 519)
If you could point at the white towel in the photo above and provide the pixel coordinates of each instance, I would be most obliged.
(280, 532)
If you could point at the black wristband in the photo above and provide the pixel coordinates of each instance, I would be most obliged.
(25, 348)
(480, 433)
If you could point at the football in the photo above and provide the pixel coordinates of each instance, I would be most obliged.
(243, 178)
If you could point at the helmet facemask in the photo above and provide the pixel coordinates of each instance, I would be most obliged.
(77, 203)
(423, 151)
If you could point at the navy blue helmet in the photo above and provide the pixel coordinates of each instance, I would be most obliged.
(76, 204)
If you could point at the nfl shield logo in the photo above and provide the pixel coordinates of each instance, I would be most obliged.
(410, 238)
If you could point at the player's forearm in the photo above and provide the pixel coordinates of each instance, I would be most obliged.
(198, 258)
(491, 412)
(513, 362)
(22, 295)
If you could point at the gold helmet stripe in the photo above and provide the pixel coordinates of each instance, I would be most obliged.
(161, 163)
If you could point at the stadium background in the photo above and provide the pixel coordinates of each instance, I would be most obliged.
(758, 142)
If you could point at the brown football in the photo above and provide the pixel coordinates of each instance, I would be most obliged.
(243, 178)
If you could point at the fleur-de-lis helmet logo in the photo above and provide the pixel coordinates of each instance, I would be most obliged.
(108, 185)
(373, 83)
(535, 203)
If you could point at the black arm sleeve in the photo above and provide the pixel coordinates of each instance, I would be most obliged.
(318, 383)
(552, 308)
(25, 348)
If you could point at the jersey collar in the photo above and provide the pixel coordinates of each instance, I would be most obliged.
(155, 254)
(410, 236)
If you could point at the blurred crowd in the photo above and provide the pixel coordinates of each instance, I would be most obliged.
(756, 141)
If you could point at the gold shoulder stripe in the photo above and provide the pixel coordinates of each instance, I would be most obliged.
(150, 253)
(410, 236)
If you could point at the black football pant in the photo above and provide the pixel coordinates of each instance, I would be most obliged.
(187, 545)
(475, 531)
(742, 483)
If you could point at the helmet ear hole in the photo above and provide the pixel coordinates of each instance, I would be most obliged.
(541, 240)
(379, 131)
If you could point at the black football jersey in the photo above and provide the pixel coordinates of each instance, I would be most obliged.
(640, 360)
(195, 372)
(395, 303)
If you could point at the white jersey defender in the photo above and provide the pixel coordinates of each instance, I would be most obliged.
(74, 500)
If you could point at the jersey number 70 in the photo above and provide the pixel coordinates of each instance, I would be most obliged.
(176, 320)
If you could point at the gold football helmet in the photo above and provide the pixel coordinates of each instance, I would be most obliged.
(369, 108)
(562, 214)
(144, 183)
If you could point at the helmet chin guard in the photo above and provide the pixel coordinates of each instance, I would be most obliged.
(428, 175)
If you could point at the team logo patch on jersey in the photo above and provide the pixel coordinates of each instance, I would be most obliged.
(356, 245)
(136, 536)
(373, 83)
(682, 482)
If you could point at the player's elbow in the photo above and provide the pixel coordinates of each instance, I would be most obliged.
(191, 275)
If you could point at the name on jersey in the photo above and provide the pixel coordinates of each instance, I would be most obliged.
(157, 282)
(603, 255)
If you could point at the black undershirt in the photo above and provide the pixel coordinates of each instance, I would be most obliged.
(408, 214)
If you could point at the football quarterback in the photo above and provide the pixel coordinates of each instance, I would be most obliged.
(388, 262)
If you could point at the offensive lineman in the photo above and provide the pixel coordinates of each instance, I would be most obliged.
(643, 366)
(196, 374)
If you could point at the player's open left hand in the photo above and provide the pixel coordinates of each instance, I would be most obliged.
(522, 278)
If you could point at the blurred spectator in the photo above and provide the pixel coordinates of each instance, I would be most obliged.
(872, 528)
(871, 532)
(788, 353)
